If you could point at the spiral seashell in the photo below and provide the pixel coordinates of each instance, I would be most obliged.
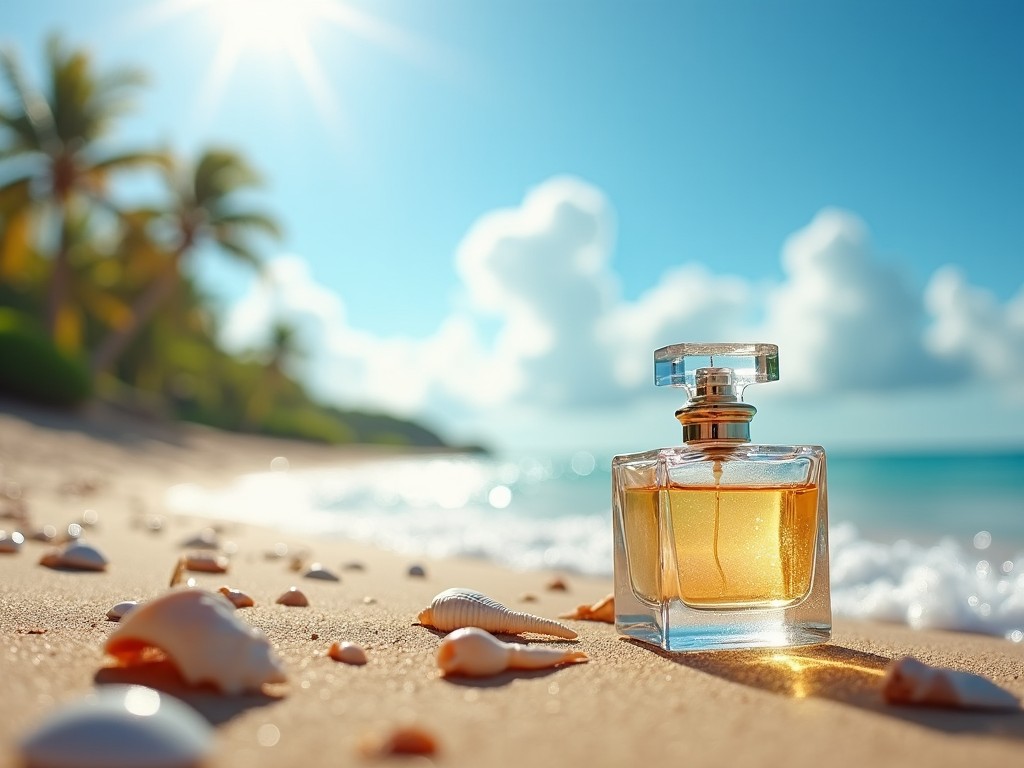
(476, 653)
(459, 607)
(909, 681)
(203, 637)
(602, 610)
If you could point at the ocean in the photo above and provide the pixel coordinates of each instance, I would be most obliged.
(933, 541)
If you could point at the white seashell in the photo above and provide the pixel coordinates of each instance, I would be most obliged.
(237, 598)
(602, 610)
(77, 556)
(11, 542)
(204, 539)
(458, 607)
(317, 571)
(294, 598)
(202, 635)
(205, 562)
(349, 653)
(477, 653)
(118, 611)
(909, 681)
(120, 726)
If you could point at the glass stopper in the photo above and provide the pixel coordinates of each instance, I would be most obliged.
(698, 366)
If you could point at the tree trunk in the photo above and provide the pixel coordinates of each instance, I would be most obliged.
(60, 279)
(143, 309)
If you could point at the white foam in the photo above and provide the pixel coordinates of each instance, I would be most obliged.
(448, 507)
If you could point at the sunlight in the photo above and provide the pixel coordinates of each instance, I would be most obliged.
(266, 26)
(280, 34)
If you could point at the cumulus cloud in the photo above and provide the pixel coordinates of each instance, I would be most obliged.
(970, 330)
(845, 318)
(540, 272)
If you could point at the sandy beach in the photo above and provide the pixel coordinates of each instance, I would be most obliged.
(629, 705)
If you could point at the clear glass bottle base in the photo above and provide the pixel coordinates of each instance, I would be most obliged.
(751, 632)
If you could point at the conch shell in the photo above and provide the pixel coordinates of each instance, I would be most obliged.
(477, 653)
(909, 681)
(201, 634)
(458, 607)
(602, 610)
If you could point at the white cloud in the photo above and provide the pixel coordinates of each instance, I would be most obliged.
(846, 322)
(973, 332)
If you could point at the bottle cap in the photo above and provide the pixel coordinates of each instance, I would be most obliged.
(714, 376)
(704, 369)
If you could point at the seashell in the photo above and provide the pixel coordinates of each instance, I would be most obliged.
(458, 607)
(205, 562)
(476, 653)
(602, 610)
(237, 598)
(200, 632)
(349, 653)
(293, 598)
(317, 571)
(557, 584)
(77, 556)
(528, 597)
(117, 726)
(369, 600)
(276, 552)
(404, 740)
(118, 611)
(909, 681)
(417, 572)
(353, 565)
(11, 542)
(204, 539)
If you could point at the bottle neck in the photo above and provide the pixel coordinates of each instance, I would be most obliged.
(718, 422)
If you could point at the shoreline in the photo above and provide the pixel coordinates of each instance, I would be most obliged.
(629, 704)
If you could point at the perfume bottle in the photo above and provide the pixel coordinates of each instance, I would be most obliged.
(721, 543)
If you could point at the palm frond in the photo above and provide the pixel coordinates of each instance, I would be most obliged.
(219, 173)
(241, 251)
(241, 220)
(33, 124)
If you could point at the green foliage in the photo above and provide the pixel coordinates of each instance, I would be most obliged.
(34, 369)
(111, 282)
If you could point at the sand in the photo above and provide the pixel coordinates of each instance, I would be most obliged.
(629, 705)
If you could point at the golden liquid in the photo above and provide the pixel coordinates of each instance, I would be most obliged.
(731, 546)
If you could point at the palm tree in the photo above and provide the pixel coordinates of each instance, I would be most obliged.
(208, 209)
(283, 348)
(52, 159)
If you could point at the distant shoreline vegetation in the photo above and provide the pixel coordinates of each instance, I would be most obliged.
(96, 301)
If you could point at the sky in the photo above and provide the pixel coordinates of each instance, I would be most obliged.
(494, 212)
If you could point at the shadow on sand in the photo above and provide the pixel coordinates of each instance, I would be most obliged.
(161, 675)
(840, 674)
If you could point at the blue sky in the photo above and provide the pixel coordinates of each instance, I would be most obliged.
(809, 170)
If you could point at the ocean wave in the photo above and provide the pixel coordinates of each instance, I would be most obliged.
(528, 516)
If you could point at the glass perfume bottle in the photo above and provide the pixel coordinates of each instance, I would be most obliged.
(721, 543)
